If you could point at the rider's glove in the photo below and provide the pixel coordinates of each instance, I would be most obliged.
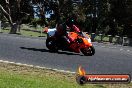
(80, 33)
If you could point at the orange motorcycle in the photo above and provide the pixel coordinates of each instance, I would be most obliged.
(82, 43)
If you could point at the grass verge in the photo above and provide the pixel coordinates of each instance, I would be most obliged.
(27, 33)
(16, 76)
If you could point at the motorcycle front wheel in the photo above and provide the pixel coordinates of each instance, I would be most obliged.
(89, 51)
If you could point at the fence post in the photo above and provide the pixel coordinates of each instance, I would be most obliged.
(41, 30)
(39, 27)
(117, 39)
(0, 27)
(130, 41)
(125, 41)
(92, 37)
(101, 37)
(110, 38)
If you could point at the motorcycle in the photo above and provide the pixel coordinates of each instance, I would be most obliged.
(82, 43)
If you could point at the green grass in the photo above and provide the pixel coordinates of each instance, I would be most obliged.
(27, 33)
(36, 34)
(104, 39)
(30, 33)
(5, 30)
(27, 81)
(13, 76)
(16, 76)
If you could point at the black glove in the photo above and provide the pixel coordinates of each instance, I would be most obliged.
(80, 33)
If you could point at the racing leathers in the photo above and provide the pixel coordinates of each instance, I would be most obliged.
(62, 31)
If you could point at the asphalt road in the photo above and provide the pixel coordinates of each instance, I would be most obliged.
(107, 59)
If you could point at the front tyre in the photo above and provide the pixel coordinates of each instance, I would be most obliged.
(51, 44)
(89, 51)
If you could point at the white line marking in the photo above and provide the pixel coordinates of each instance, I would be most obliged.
(112, 47)
(121, 49)
(57, 70)
(128, 50)
(103, 46)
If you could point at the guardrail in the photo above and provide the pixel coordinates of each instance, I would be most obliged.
(125, 41)
(0, 26)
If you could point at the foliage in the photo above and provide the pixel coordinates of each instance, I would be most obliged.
(121, 13)
(112, 17)
(15, 11)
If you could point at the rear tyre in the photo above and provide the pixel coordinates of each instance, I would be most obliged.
(88, 51)
(92, 50)
(51, 44)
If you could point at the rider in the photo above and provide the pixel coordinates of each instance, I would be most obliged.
(68, 25)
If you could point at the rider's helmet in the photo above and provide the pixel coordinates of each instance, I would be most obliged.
(71, 20)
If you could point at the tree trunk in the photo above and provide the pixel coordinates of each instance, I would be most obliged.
(18, 26)
(14, 28)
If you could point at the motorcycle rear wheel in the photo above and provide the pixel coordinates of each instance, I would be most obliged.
(88, 51)
(51, 44)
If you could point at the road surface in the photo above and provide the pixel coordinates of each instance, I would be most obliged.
(107, 59)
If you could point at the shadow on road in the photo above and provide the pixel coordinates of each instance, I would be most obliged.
(46, 50)
(68, 53)
(34, 49)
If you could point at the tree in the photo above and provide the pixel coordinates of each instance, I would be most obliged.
(121, 12)
(127, 20)
(14, 11)
(60, 8)
(42, 6)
